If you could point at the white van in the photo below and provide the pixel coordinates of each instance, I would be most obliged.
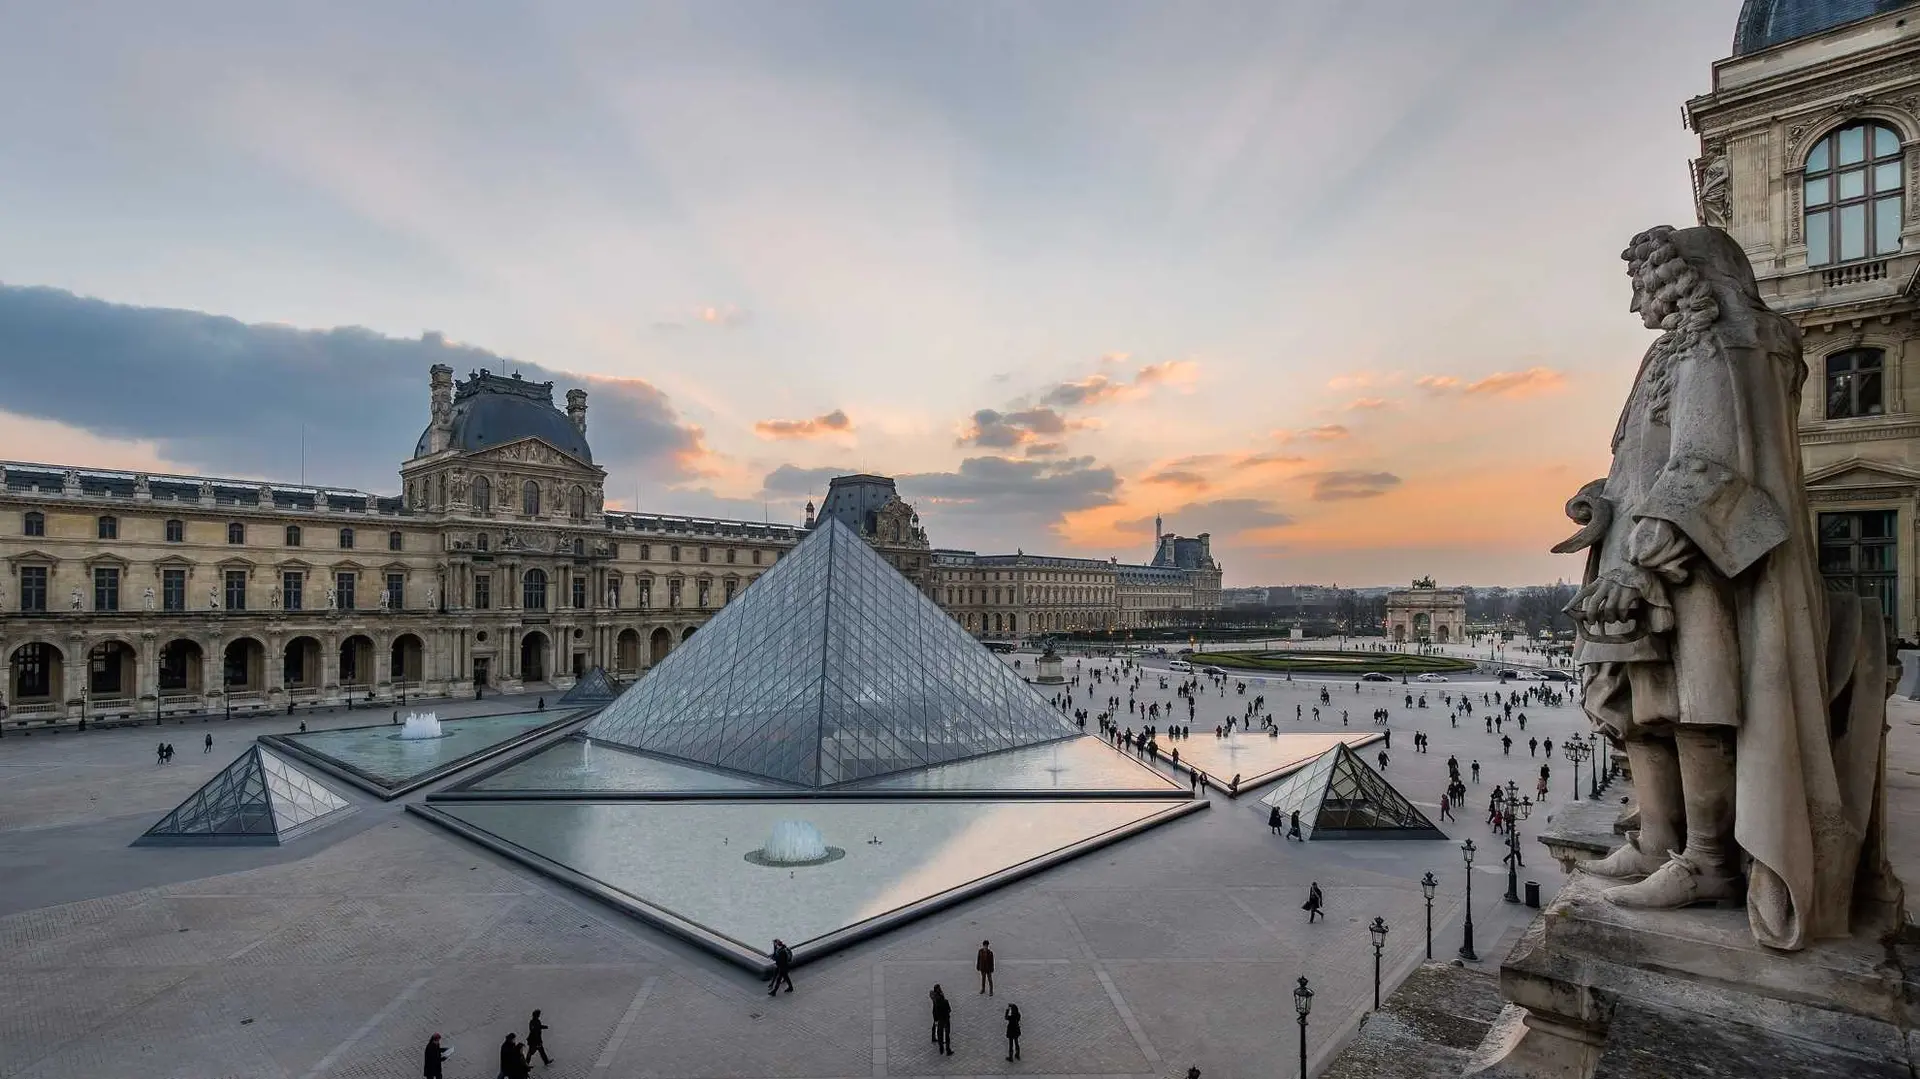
(1180, 665)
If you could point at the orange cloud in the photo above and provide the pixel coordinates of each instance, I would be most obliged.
(1361, 380)
(832, 423)
(1099, 388)
(1514, 385)
(1368, 404)
(1326, 432)
(1168, 373)
(1175, 477)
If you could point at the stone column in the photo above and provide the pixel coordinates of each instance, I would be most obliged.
(383, 662)
(147, 676)
(73, 669)
(329, 681)
(274, 678)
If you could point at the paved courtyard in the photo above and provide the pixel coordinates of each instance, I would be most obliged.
(340, 953)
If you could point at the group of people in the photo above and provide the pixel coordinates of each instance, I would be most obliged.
(516, 1056)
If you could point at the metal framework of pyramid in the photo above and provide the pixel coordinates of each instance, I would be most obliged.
(259, 798)
(1339, 797)
(593, 688)
(831, 668)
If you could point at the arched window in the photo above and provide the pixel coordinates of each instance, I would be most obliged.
(293, 535)
(236, 533)
(108, 528)
(1854, 383)
(530, 499)
(1852, 195)
(35, 524)
(346, 539)
(577, 503)
(482, 495)
(396, 541)
(533, 590)
(176, 531)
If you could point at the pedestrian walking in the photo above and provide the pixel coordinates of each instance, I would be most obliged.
(437, 1053)
(1446, 808)
(209, 748)
(1533, 746)
(1547, 745)
(1273, 820)
(782, 967)
(160, 753)
(536, 1039)
(1476, 771)
(942, 1022)
(1315, 901)
(983, 962)
(1293, 826)
(1013, 1031)
(513, 1059)
(1383, 760)
(1506, 745)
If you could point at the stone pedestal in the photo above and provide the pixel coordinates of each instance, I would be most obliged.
(1595, 990)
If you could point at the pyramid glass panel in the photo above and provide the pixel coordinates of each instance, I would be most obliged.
(832, 668)
(1339, 797)
(594, 687)
(259, 798)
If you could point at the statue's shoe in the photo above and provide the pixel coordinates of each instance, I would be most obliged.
(1626, 862)
(1682, 882)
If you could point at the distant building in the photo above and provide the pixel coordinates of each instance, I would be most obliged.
(871, 506)
(1426, 614)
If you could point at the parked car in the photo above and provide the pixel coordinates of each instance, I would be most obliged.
(1376, 676)
(1431, 678)
(1180, 665)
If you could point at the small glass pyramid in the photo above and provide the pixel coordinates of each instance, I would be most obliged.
(831, 668)
(1339, 797)
(593, 688)
(259, 798)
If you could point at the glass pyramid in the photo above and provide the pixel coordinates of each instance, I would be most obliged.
(593, 688)
(1339, 797)
(259, 798)
(831, 668)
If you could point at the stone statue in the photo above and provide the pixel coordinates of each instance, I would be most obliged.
(430, 597)
(613, 598)
(74, 598)
(383, 599)
(331, 599)
(213, 598)
(146, 599)
(1750, 699)
(1713, 191)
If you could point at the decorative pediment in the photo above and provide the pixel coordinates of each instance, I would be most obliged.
(107, 559)
(1858, 473)
(32, 558)
(347, 566)
(237, 562)
(532, 451)
(396, 567)
(294, 564)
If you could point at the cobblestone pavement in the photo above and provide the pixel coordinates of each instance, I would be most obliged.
(339, 954)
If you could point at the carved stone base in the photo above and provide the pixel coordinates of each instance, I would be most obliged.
(1587, 974)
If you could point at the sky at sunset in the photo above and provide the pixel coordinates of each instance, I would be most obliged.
(1337, 282)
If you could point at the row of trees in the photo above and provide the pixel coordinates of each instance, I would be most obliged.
(1526, 610)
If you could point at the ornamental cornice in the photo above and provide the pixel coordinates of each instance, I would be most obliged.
(1875, 433)
(1861, 494)
(1778, 99)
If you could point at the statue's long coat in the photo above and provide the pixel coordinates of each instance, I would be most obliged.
(1709, 441)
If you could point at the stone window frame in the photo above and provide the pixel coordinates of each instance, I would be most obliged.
(175, 530)
(1869, 198)
(396, 540)
(33, 523)
(106, 527)
(236, 534)
(346, 538)
(293, 536)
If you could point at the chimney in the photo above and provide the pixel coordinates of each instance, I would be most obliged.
(577, 409)
(440, 404)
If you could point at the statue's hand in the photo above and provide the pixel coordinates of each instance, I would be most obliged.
(1606, 601)
(1659, 547)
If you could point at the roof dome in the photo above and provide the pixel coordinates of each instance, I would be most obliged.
(492, 410)
(1766, 23)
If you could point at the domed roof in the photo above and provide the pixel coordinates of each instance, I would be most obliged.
(491, 410)
(1766, 23)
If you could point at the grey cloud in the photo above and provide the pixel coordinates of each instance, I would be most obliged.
(1341, 486)
(996, 430)
(1223, 517)
(793, 481)
(224, 396)
(999, 503)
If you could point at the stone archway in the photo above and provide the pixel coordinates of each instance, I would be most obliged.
(356, 661)
(36, 674)
(533, 657)
(244, 666)
(1400, 633)
(658, 645)
(300, 664)
(111, 671)
(1440, 633)
(407, 660)
(181, 665)
(687, 634)
(626, 652)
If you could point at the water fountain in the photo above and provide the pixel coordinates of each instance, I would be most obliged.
(795, 842)
(420, 725)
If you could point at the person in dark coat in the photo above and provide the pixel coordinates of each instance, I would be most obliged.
(942, 1022)
(983, 962)
(1013, 1032)
(782, 967)
(1315, 901)
(436, 1054)
(1273, 820)
(536, 1039)
(513, 1059)
(1293, 826)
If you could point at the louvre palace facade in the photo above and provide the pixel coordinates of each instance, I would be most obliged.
(496, 568)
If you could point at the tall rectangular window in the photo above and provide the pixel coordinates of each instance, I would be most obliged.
(236, 590)
(731, 553)
(106, 588)
(396, 590)
(176, 531)
(396, 541)
(33, 588)
(173, 590)
(482, 592)
(1854, 383)
(343, 590)
(293, 590)
(1861, 551)
(646, 551)
(579, 593)
(108, 528)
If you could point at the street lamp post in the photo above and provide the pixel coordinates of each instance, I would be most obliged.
(1466, 944)
(1427, 886)
(1576, 751)
(1302, 1004)
(1518, 809)
(1598, 748)
(1378, 930)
